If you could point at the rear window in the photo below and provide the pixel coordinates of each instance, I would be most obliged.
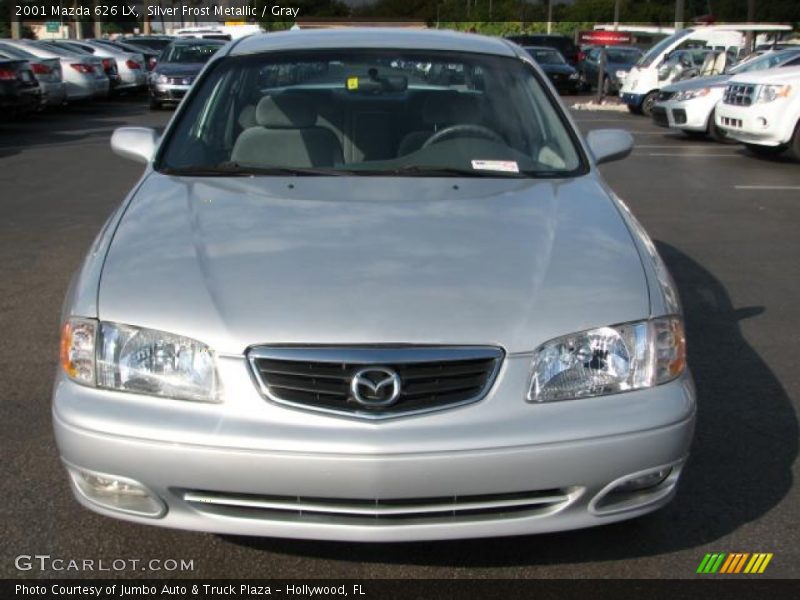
(371, 112)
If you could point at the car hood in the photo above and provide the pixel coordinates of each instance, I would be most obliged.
(562, 69)
(698, 83)
(777, 76)
(178, 69)
(340, 260)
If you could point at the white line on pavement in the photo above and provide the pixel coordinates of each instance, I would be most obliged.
(766, 187)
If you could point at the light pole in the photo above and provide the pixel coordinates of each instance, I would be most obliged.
(678, 15)
(549, 16)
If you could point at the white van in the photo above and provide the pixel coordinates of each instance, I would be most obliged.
(644, 80)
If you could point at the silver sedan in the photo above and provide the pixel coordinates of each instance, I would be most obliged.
(79, 74)
(354, 299)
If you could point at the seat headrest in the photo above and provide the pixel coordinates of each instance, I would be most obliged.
(286, 112)
(450, 107)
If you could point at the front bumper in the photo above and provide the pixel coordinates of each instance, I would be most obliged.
(633, 100)
(168, 92)
(760, 124)
(247, 447)
(689, 115)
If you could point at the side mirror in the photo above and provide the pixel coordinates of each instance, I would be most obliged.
(607, 145)
(136, 143)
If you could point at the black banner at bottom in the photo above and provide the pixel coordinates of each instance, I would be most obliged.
(407, 589)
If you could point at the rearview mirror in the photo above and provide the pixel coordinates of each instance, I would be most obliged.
(607, 145)
(136, 143)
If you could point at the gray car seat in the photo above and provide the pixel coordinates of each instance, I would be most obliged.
(441, 109)
(286, 135)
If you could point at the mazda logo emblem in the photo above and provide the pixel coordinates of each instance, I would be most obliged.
(375, 387)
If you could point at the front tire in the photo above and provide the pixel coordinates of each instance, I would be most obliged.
(715, 133)
(648, 103)
(795, 143)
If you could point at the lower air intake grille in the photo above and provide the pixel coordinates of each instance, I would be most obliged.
(375, 382)
(380, 512)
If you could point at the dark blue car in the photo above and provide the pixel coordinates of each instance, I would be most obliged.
(619, 60)
(563, 76)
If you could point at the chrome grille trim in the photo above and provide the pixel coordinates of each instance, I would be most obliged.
(343, 360)
(377, 511)
(739, 94)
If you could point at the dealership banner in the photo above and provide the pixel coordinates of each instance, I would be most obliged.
(388, 589)
(428, 12)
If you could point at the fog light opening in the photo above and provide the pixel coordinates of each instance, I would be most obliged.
(642, 482)
(762, 122)
(116, 493)
(637, 490)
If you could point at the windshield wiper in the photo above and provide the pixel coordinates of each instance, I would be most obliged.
(234, 169)
(431, 171)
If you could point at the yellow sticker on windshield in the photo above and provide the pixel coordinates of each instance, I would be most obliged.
(352, 83)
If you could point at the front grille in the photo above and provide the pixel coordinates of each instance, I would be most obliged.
(179, 80)
(663, 96)
(402, 511)
(321, 378)
(739, 94)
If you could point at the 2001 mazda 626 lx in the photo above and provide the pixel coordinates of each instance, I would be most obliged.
(371, 286)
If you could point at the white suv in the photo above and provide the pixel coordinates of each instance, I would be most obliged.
(762, 110)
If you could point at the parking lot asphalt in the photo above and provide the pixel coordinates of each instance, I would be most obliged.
(727, 225)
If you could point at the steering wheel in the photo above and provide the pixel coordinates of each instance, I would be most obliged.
(464, 130)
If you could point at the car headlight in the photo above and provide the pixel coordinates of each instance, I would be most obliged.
(142, 361)
(160, 78)
(769, 93)
(574, 75)
(621, 74)
(689, 94)
(608, 360)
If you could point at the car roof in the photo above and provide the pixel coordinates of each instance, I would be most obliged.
(372, 37)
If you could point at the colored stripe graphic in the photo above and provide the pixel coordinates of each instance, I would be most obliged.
(734, 563)
(711, 563)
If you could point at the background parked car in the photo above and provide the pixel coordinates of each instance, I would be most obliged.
(46, 70)
(689, 105)
(562, 43)
(150, 55)
(563, 76)
(99, 81)
(177, 68)
(619, 60)
(130, 65)
(77, 72)
(762, 111)
(19, 90)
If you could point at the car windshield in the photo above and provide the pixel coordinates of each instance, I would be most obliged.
(57, 49)
(190, 53)
(656, 50)
(371, 112)
(546, 56)
(622, 55)
(16, 52)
